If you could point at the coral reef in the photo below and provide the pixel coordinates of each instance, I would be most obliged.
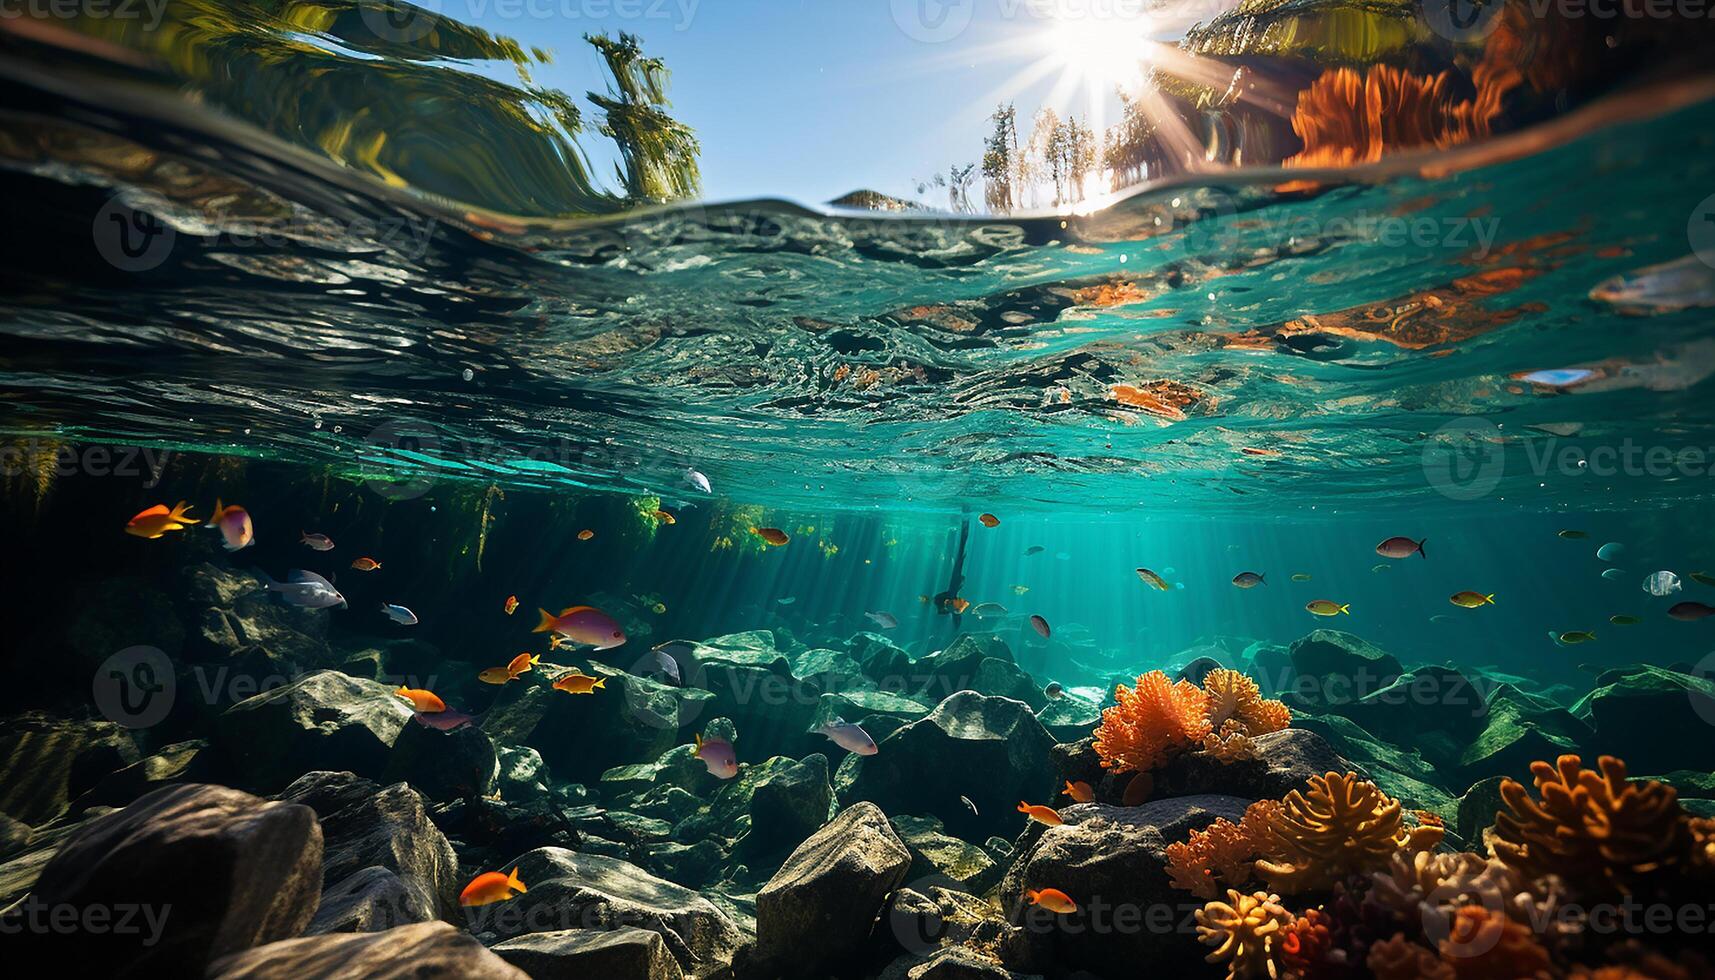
(1400, 959)
(1150, 722)
(1222, 853)
(1487, 945)
(1246, 932)
(1236, 705)
(1344, 826)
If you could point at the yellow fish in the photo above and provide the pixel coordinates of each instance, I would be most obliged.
(1325, 607)
(578, 683)
(1153, 579)
(1471, 600)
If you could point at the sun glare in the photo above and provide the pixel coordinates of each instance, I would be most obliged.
(1101, 53)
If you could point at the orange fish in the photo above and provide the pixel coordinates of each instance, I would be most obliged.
(491, 886)
(772, 535)
(666, 517)
(496, 675)
(576, 683)
(585, 534)
(1041, 814)
(158, 520)
(959, 605)
(1138, 790)
(366, 565)
(522, 663)
(424, 701)
(511, 604)
(1080, 792)
(1052, 899)
(988, 520)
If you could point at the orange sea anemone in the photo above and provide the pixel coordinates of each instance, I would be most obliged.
(1150, 722)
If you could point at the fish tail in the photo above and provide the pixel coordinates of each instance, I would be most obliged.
(213, 518)
(1347, 609)
(600, 683)
(1032, 895)
(1023, 807)
(1263, 579)
(547, 622)
(513, 882)
(698, 738)
(181, 514)
(1490, 598)
(1420, 552)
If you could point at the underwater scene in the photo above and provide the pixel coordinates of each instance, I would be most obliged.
(547, 488)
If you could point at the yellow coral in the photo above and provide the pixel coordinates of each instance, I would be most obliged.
(1236, 705)
(1151, 722)
(1235, 747)
(1245, 931)
(1344, 826)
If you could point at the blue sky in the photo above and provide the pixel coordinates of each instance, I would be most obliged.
(809, 99)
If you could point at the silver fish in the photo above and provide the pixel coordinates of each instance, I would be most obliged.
(1662, 583)
(659, 659)
(399, 614)
(306, 589)
(698, 480)
(848, 736)
(885, 620)
(967, 801)
(318, 542)
(1249, 580)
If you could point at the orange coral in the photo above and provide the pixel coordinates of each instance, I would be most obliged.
(1308, 945)
(1223, 852)
(1151, 722)
(1486, 945)
(1400, 959)
(1345, 117)
(1236, 705)
(1245, 931)
(1597, 832)
(1344, 826)
(1235, 747)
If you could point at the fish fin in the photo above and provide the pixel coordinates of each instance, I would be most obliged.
(401, 691)
(572, 609)
(1420, 552)
(181, 513)
(1032, 895)
(512, 881)
(698, 737)
(602, 683)
(1023, 807)
(1490, 598)
(547, 622)
(1347, 609)
(151, 512)
(214, 518)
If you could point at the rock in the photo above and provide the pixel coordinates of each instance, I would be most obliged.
(1196, 670)
(324, 720)
(444, 765)
(880, 660)
(1477, 809)
(1642, 715)
(973, 662)
(1069, 717)
(818, 909)
(952, 963)
(1427, 702)
(570, 890)
(925, 920)
(1399, 773)
(573, 954)
(45, 763)
(218, 870)
(936, 854)
(14, 837)
(392, 830)
(371, 900)
(180, 762)
(1332, 667)
(522, 773)
(1285, 761)
(428, 949)
(827, 670)
(1113, 862)
(327, 793)
(19, 873)
(233, 613)
(793, 802)
(991, 749)
(1519, 730)
(633, 719)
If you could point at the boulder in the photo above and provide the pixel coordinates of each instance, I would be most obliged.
(1645, 714)
(444, 765)
(45, 763)
(427, 949)
(926, 918)
(231, 613)
(792, 802)
(1069, 717)
(1422, 704)
(209, 871)
(1477, 809)
(570, 890)
(989, 749)
(1519, 730)
(935, 854)
(324, 720)
(952, 963)
(1332, 667)
(371, 900)
(522, 774)
(632, 719)
(972, 662)
(180, 762)
(327, 793)
(819, 908)
(1285, 761)
(392, 830)
(574, 954)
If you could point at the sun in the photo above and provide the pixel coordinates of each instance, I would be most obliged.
(1099, 54)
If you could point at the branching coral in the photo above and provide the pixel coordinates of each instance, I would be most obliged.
(1236, 705)
(1401, 959)
(1246, 932)
(1232, 748)
(1151, 722)
(1344, 826)
(1486, 945)
(1222, 854)
(1600, 834)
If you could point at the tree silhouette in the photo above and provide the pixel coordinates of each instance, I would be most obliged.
(658, 154)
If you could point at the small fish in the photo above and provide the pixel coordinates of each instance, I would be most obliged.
(522, 663)
(1327, 607)
(583, 624)
(1623, 620)
(698, 481)
(496, 675)
(1040, 625)
(1554, 377)
(305, 589)
(578, 682)
(848, 736)
(718, 755)
(1662, 584)
(958, 605)
(665, 517)
(1249, 580)
(490, 887)
(1020, 589)
(885, 620)
(771, 535)
(1576, 636)
(1052, 899)
(1054, 691)
(158, 520)
(1441, 618)
(664, 662)
(1400, 546)
(1690, 612)
(1613, 574)
(425, 701)
(1471, 600)
(399, 614)
(510, 605)
(1153, 580)
(988, 520)
(1381, 568)
(315, 542)
(1301, 576)
(973, 807)
(1034, 549)
(1572, 535)
(1703, 578)
(585, 534)
(1138, 791)
(1610, 551)
(1080, 791)
(788, 600)
(234, 526)
(1041, 814)
(366, 565)
(443, 721)
(988, 610)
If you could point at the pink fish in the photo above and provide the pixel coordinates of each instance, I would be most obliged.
(234, 524)
(446, 721)
(848, 736)
(1040, 625)
(718, 755)
(1687, 612)
(583, 624)
(1401, 546)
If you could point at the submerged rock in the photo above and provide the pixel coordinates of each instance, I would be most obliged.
(392, 830)
(573, 954)
(1517, 731)
(204, 870)
(631, 719)
(428, 949)
(818, 909)
(444, 765)
(180, 762)
(324, 720)
(50, 762)
(1332, 667)
(937, 854)
(1647, 716)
